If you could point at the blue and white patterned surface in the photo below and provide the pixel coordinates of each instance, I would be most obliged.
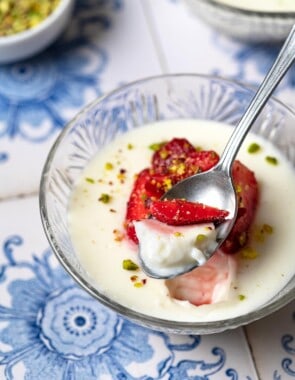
(49, 327)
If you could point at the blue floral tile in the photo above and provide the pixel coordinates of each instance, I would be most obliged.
(52, 329)
(106, 43)
(273, 344)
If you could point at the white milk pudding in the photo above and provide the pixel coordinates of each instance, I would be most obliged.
(167, 248)
(245, 280)
(262, 5)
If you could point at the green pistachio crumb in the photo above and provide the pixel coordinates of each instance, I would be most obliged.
(267, 229)
(129, 265)
(249, 253)
(105, 198)
(254, 148)
(109, 166)
(238, 189)
(178, 234)
(89, 180)
(18, 16)
(156, 146)
(130, 146)
(242, 297)
(200, 238)
(271, 160)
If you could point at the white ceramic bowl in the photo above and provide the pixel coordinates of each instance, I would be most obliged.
(29, 42)
(243, 24)
(145, 101)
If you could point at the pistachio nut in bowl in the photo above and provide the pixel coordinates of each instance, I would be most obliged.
(29, 26)
(247, 20)
(104, 177)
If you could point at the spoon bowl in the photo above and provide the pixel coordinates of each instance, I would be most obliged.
(215, 187)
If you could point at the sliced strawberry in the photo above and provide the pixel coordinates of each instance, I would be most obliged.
(179, 212)
(159, 184)
(247, 191)
(171, 154)
(137, 205)
(201, 161)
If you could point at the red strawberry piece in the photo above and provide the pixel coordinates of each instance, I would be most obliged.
(159, 184)
(178, 212)
(171, 154)
(247, 191)
(201, 161)
(138, 203)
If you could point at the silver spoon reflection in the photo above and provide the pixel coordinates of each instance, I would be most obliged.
(215, 186)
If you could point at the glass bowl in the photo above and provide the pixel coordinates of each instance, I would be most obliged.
(244, 24)
(165, 97)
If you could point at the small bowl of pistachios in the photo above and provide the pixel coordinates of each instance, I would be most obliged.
(29, 26)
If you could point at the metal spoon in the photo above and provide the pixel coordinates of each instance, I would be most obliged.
(215, 187)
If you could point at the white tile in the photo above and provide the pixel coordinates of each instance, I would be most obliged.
(186, 43)
(273, 344)
(105, 45)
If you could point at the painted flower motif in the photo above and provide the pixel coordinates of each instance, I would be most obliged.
(39, 95)
(55, 330)
(250, 62)
(59, 332)
(288, 344)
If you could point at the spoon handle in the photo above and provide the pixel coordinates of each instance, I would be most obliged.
(270, 82)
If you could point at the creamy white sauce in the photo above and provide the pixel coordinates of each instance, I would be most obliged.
(97, 228)
(169, 250)
(261, 5)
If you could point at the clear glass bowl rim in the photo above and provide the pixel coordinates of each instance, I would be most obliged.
(249, 12)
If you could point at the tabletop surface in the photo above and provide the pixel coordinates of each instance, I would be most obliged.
(49, 327)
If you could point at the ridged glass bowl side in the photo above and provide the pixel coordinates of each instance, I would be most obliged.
(153, 99)
(246, 25)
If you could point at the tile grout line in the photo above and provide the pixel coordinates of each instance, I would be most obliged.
(244, 329)
(147, 10)
(31, 194)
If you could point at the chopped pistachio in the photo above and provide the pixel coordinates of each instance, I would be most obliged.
(249, 253)
(164, 154)
(177, 234)
(242, 297)
(271, 160)
(105, 198)
(130, 146)
(267, 229)
(129, 265)
(261, 232)
(18, 16)
(89, 180)
(200, 238)
(156, 146)
(254, 148)
(167, 184)
(242, 239)
(238, 188)
(109, 166)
